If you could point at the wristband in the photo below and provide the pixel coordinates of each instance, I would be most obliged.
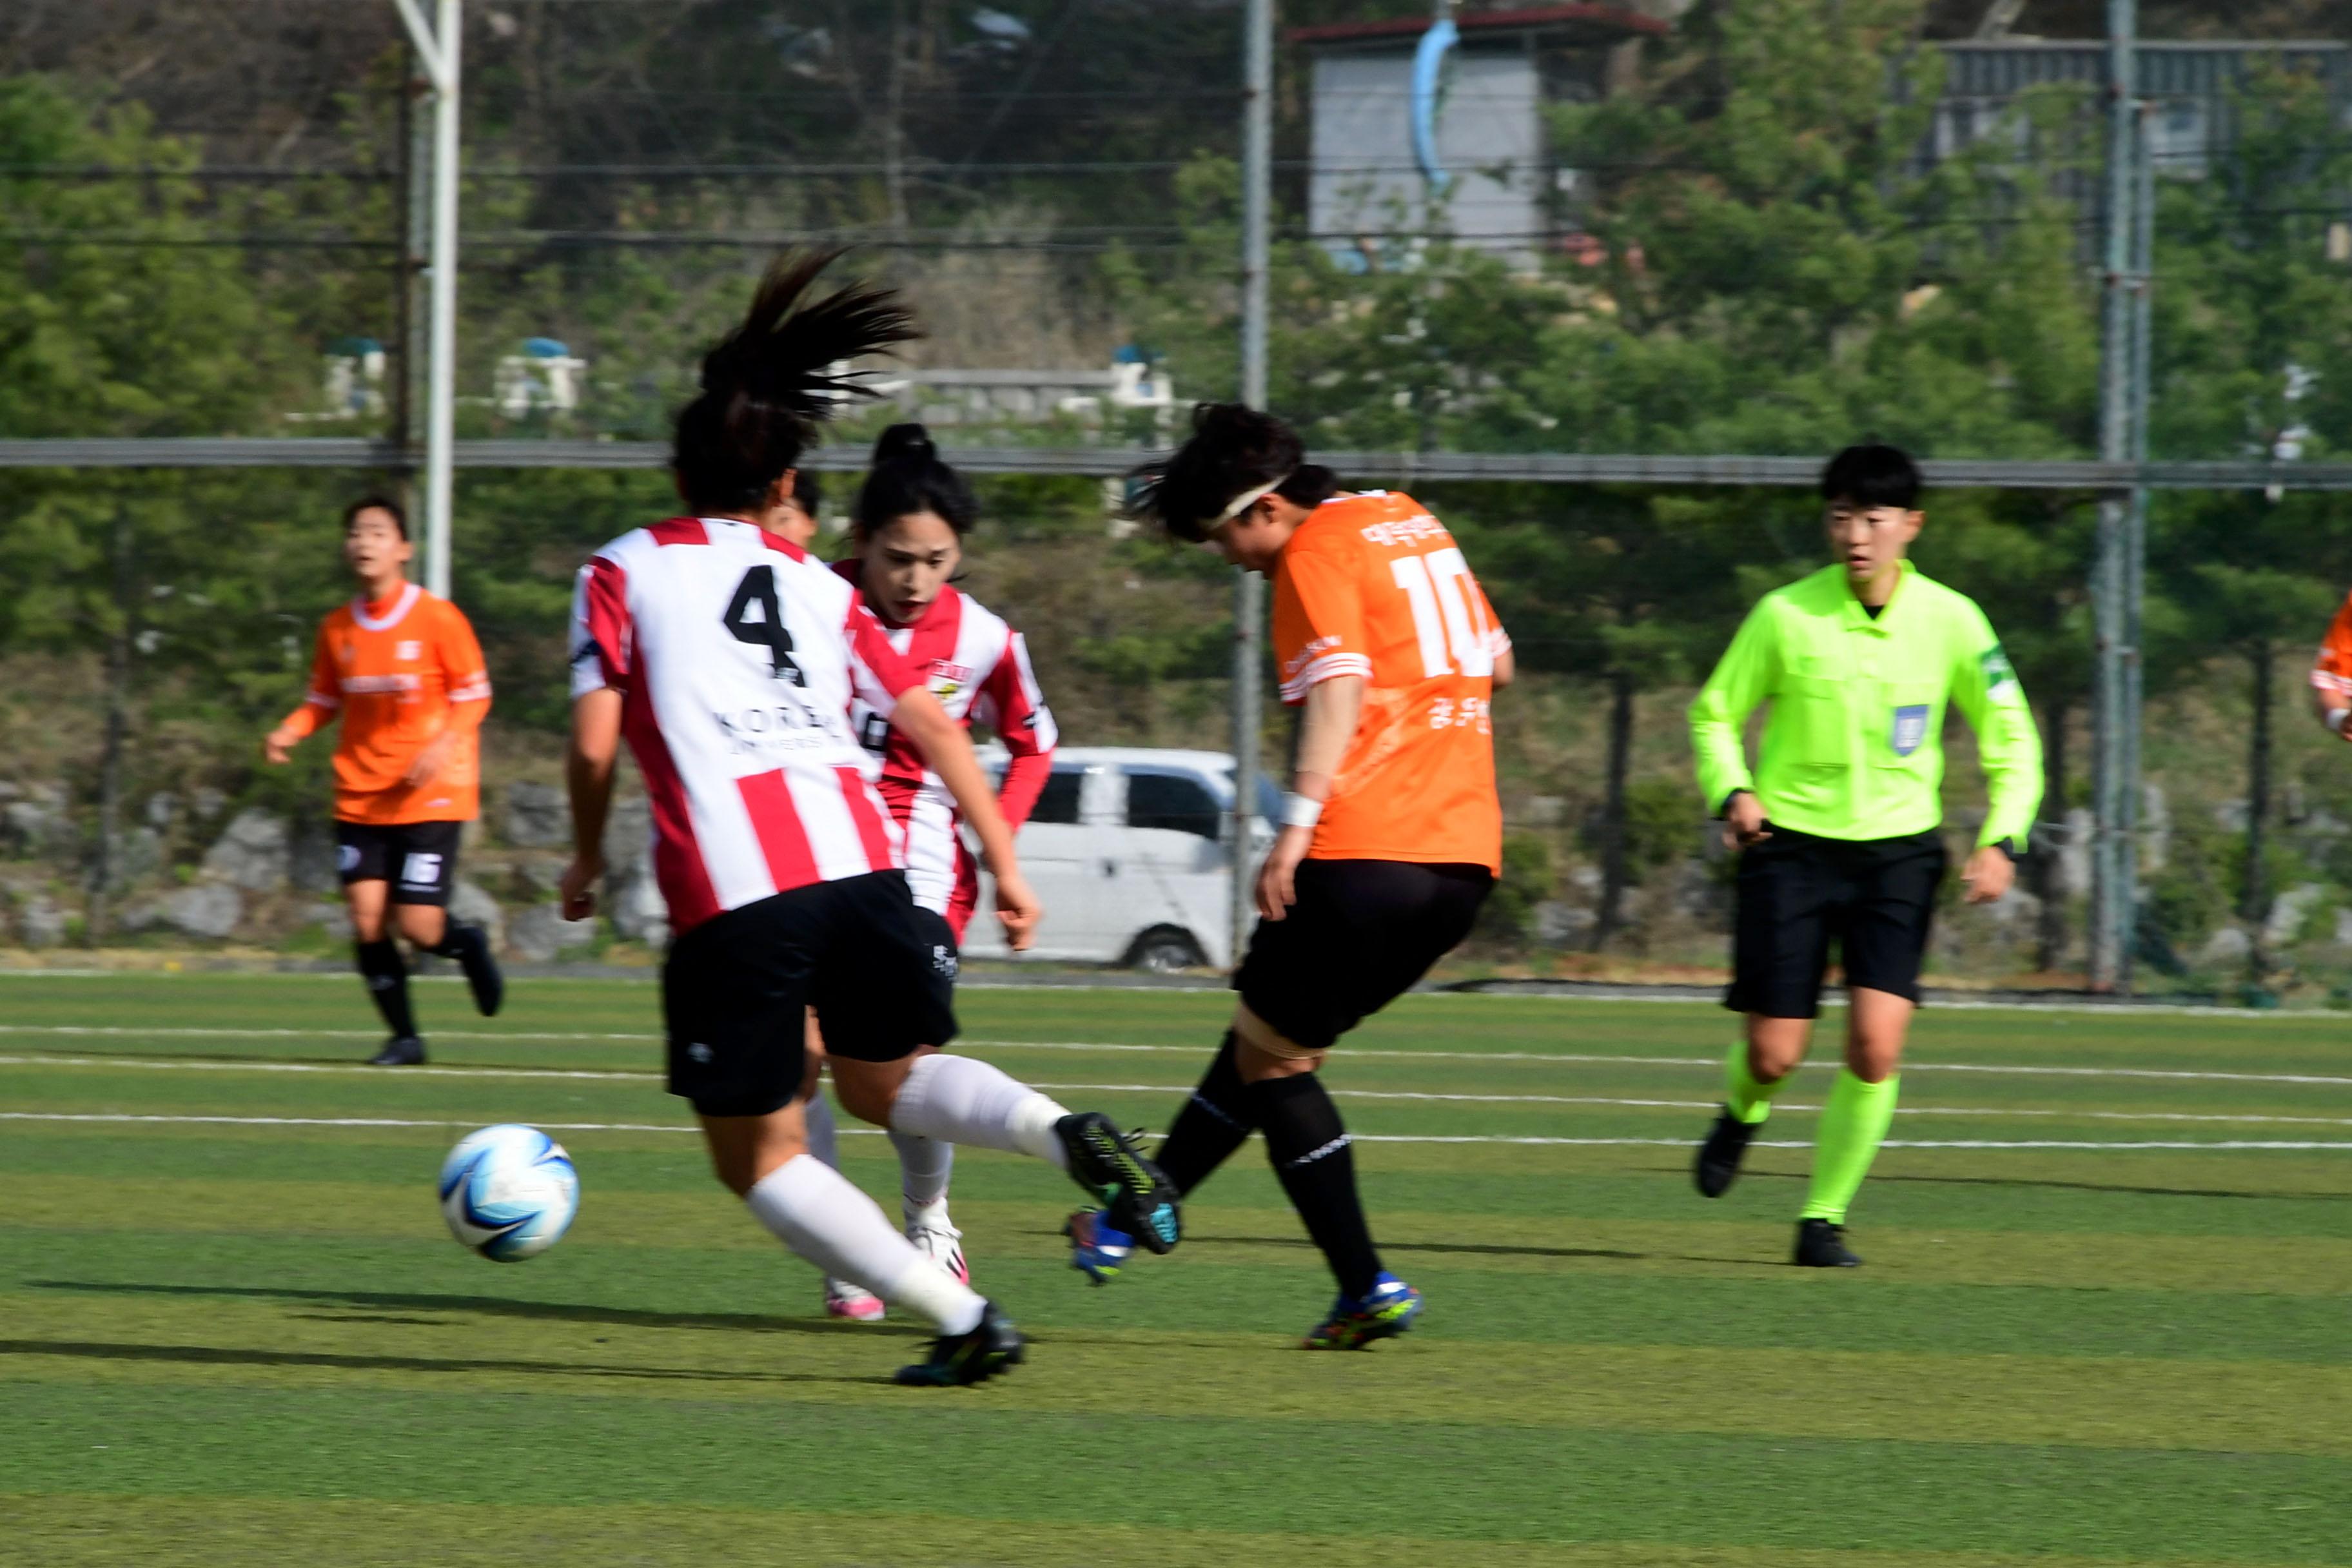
(2335, 717)
(1297, 811)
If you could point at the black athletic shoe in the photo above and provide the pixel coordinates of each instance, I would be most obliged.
(1717, 1165)
(482, 977)
(1135, 1194)
(993, 1346)
(1821, 1244)
(400, 1051)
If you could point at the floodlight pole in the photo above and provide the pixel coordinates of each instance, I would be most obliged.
(438, 47)
(2122, 519)
(1249, 589)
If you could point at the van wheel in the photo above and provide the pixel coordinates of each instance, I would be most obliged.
(1165, 950)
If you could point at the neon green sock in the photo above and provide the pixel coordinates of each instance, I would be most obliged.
(1854, 1123)
(1745, 1098)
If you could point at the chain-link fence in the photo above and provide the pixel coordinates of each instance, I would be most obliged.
(1602, 289)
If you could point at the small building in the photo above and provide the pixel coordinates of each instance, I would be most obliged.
(545, 377)
(1422, 126)
(2192, 85)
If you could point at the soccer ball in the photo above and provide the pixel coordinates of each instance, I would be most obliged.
(509, 1192)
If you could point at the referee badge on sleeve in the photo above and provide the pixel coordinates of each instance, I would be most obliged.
(1910, 728)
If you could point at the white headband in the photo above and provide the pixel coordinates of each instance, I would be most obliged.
(1248, 499)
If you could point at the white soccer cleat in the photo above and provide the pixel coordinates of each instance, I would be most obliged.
(942, 1242)
(842, 1300)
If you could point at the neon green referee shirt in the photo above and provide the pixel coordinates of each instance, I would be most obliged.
(1854, 747)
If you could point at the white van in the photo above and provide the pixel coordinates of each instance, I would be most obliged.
(1128, 850)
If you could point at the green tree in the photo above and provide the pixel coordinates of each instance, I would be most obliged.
(2253, 357)
(127, 341)
(1627, 589)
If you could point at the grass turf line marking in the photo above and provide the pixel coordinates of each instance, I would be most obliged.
(2229, 1145)
(1373, 1053)
(1612, 1101)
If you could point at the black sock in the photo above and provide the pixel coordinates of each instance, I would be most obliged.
(1214, 1122)
(454, 935)
(1308, 1147)
(387, 983)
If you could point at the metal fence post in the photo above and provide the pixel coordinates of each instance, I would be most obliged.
(1249, 589)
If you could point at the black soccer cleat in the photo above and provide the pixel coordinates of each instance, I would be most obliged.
(1822, 1245)
(1135, 1194)
(1717, 1165)
(471, 946)
(400, 1051)
(994, 1346)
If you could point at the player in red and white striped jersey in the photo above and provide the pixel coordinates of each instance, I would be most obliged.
(729, 657)
(910, 519)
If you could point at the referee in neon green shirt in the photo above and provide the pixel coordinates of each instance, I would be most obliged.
(1837, 826)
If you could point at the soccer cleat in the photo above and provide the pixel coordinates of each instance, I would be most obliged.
(943, 1245)
(1717, 1165)
(1135, 1197)
(842, 1300)
(993, 1346)
(1096, 1247)
(400, 1051)
(1387, 1312)
(472, 951)
(1822, 1245)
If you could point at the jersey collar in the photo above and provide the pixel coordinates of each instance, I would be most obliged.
(405, 602)
(1857, 616)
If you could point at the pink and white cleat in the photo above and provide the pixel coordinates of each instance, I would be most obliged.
(842, 1300)
(940, 1242)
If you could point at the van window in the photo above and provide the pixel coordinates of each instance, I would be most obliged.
(1059, 801)
(1172, 801)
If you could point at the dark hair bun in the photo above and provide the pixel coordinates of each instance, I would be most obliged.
(906, 443)
(908, 478)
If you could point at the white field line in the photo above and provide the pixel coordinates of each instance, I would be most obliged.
(1367, 1053)
(1706, 998)
(1614, 1102)
(115, 1118)
(1198, 1052)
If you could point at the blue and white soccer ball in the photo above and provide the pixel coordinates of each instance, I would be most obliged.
(509, 1192)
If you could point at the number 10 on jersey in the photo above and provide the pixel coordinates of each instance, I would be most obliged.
(1444, 618)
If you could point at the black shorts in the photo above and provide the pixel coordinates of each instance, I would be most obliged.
(419, 858)
(1360, 934)
(944, 953)
(735, 990)
(1874, 898)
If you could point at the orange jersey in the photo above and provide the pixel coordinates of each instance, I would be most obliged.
(1373, 585)
(2331, 672)
(398, 674)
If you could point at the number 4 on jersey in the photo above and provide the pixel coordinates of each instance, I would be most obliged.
(754, 616)
(1443, 617)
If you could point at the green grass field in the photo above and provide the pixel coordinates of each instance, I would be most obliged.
(232, 1328)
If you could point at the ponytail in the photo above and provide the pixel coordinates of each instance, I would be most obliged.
(771, 382)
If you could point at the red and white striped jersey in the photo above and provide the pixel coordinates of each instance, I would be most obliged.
(737, 655)
(978, 666)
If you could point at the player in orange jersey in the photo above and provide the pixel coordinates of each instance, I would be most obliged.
(2331, 675)
(403, 670)
(1392, 836)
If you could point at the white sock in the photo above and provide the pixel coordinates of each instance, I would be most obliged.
(960, 1101)
(812, 1209)
(924, 1166)
(823, 1135)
